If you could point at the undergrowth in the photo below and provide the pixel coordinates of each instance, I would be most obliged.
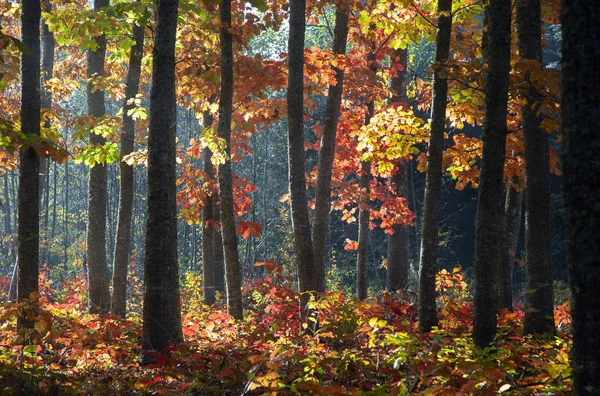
(371, 348)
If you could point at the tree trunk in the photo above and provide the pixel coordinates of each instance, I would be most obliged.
(29, 166)
(398, 252)
(209, 233)
(490, 205)
(539, 304)
(54, 200)
(433, 178)
(46, 103)
(99, 297)
(327, 153)
(14, 283)
(118, 305)
(7, 220)
(580, 109)
(265, 232)
(162, 310)
(66, 214)
(363, 223)
(512, 227)
(295, 100)
(45, 215)
(230, 243)
(364, 204)
(218, 252)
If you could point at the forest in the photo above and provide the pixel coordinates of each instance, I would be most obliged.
(374, 197)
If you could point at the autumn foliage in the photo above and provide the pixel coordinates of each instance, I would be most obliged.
(370, 347)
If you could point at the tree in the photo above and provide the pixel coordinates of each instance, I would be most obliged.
(48, 45)
(295, 98)
(327, 152)
(490, 205)
(433, 180)
(162, 310)
(99, 295)
(29, 177)
(364, 201)
(118, 304)
(209, 232)
(539, 307)
(233, 276)
(580, 110)
(512, 227)
(397, 253)
(364, 205)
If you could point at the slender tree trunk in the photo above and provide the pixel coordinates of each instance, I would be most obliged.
(99, 297)
(45, 215)
(118, 304)
(110, 215)
(14, 281)
(194, 248)
(29, 166)
(66, 214)
(218, 252)
(580, 110)
(363, 224)
(162, 310)
(539, 309)
(209, 233)
(295, 100)
(230, 242)
(15, 199)
(398, 252)
(364, 204)
(265, 231)
(46, 103)
(54, 200)
(490, 205)
(433, 180)
(327, 153)
(7, 219)
(512, 227)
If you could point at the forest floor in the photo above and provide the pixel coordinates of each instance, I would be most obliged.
(366, 348)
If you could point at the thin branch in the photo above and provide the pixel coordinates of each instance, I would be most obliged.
(420, 13)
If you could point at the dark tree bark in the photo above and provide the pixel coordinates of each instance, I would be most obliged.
(99, 295)
(233, 274)
(162, 310)
(209, 233)
(295, 98)
(539, 303)
(398, 253)
(118, 305)
(362, 283)
(218, 253)
(46, 102)
(512, 227)
(580, 109)
(364, 204)
(327, 153)
(433, 178)
(490, 204)
(29, 165)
